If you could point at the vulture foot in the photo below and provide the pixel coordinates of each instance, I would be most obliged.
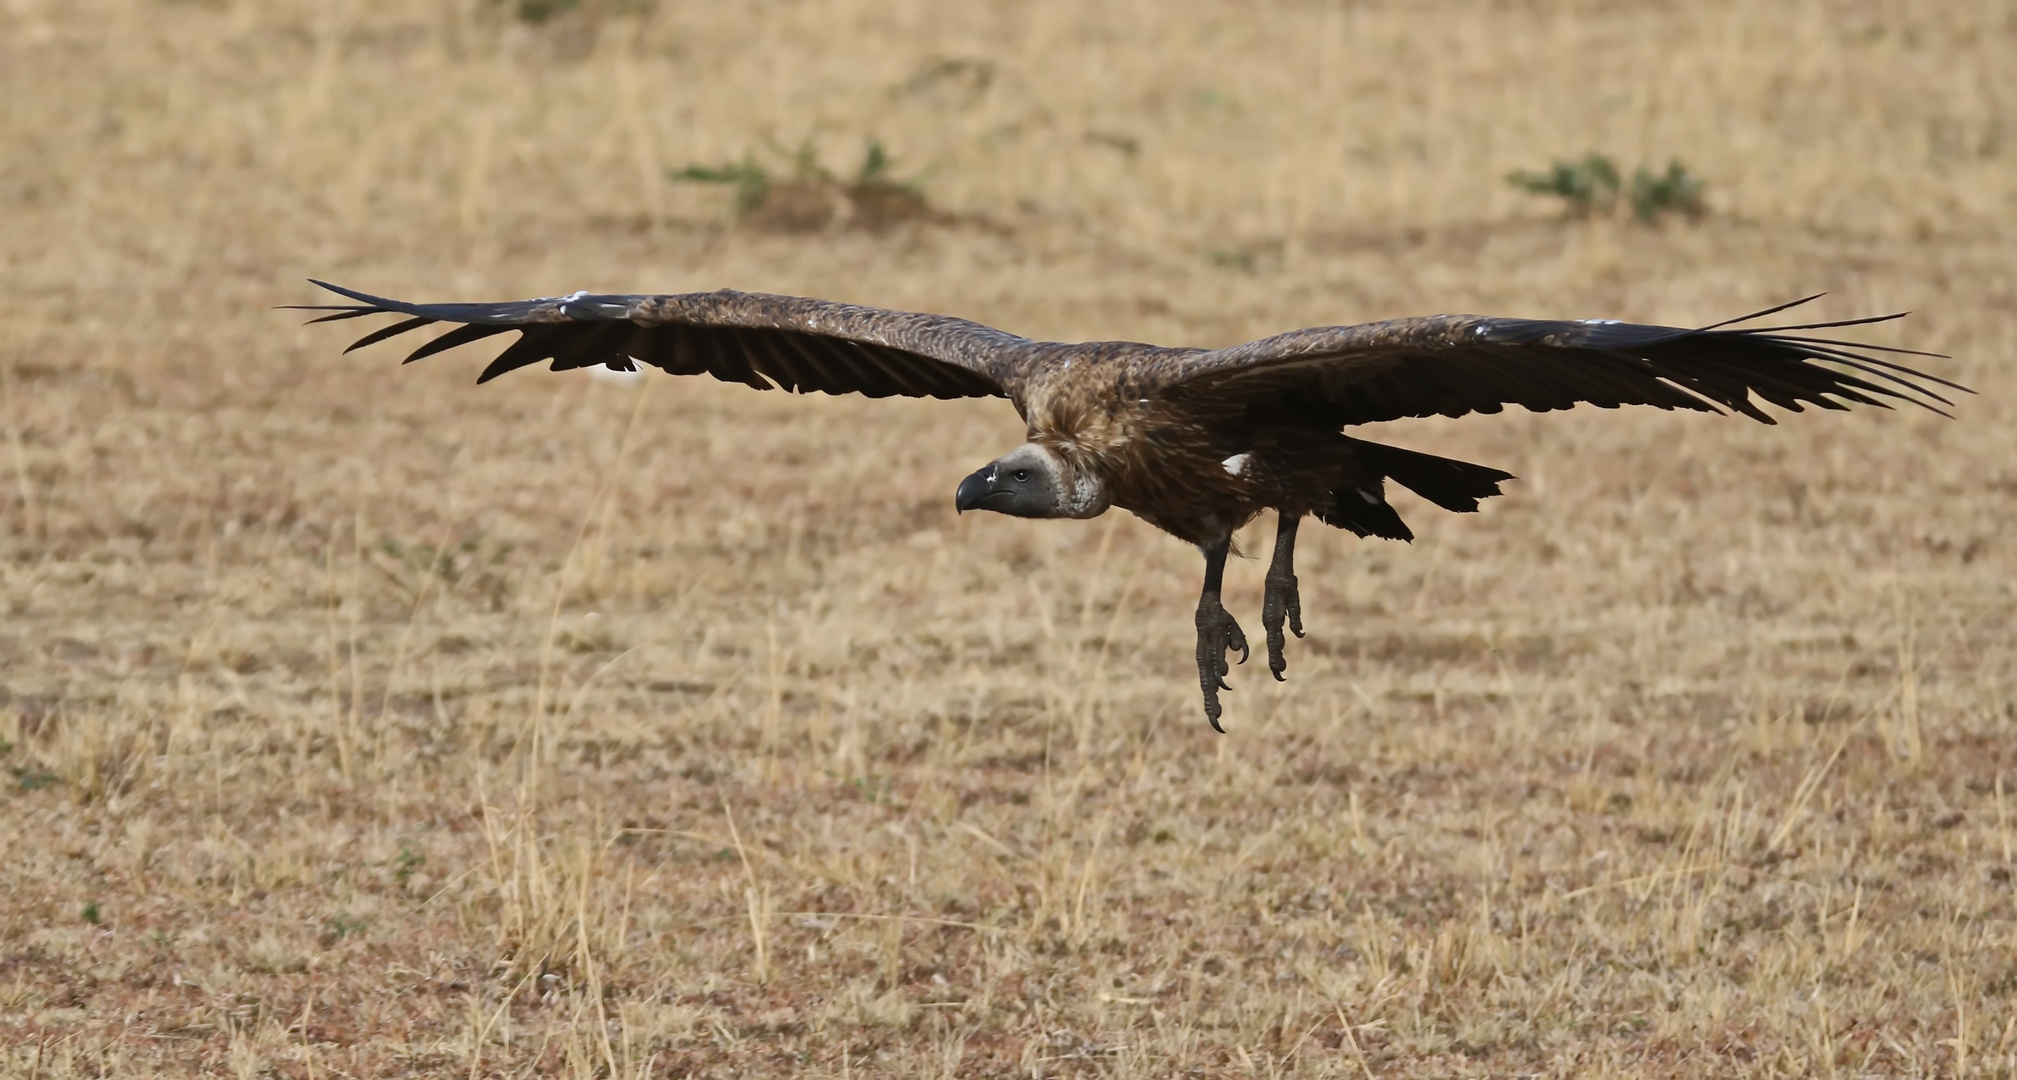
(1218, 634)
(1281, 601)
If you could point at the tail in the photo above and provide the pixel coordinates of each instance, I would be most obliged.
(1452, 485)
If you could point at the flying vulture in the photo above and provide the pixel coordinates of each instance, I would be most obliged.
(1196, 442)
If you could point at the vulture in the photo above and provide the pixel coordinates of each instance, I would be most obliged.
(1197, 442)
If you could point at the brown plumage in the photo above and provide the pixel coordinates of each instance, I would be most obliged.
(1196, 442)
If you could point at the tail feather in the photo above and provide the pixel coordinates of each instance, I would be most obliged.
(1364, 511)
(1452, 485)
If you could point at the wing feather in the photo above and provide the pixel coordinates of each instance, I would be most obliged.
(728, 361)
(461, 335)
(384, 332)
(774, 356)
(591, 349)
(707, 352)
(536, 344)
(644, 348)
(905, 373)
(679, 353)
(1457, 364)
(751, 338)
(825, 361)
(833, 356)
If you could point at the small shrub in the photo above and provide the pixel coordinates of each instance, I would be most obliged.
(1593, 186)
(1248, 257)
(882, 198)
(1230, 258)
(1676, 189)
(1588, 186)
(750, 180)
(538, 12)
(810, 197)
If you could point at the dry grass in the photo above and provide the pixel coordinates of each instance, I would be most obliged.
(361, 723)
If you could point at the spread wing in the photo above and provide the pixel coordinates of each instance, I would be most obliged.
(753, 338)
(1451, 365)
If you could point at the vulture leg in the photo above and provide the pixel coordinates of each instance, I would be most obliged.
(1217, 633)
(1281, 599)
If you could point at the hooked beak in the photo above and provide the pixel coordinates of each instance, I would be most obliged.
(974, 490)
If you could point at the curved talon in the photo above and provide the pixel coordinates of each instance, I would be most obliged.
(1218, 634)
(1281, 601)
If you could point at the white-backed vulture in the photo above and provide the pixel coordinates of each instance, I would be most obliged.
(1197, 442)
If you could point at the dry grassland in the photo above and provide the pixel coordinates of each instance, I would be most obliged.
(363, 723)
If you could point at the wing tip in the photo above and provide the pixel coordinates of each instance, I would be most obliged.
(1761, 314)
(363, 298)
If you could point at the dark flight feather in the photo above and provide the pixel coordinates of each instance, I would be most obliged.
(461, 335)
(750, 338)
(384, 332)
(536, 344)
(1452, 365)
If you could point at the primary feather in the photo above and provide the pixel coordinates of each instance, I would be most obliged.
(754, 338)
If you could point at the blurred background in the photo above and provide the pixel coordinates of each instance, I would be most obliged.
(355, 718)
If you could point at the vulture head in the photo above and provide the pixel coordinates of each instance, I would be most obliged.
(1033, 481)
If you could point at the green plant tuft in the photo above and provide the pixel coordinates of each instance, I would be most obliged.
(34, 779)
(1676, 189)
(539, 12)
(1230, 258)
(1593, 186)
(877, 180)
(809, 196)
(407, 861)
(750, 180)
(1588, 186)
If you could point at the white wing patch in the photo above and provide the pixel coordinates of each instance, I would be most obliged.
(1236, 464)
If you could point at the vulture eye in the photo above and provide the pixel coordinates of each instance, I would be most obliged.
(1022, 476)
